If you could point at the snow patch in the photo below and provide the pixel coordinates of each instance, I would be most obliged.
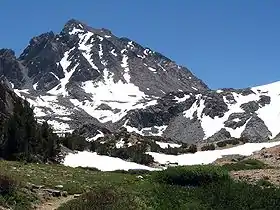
(126, 68)
(152, 69)
(54, 75)
(103, 163)
(75, 31)
(113, 52)
(165, 145)
(207, 157)
(35, 86)
(179, 100)
(86, 48)
(100, 52)
(59, 126)
(120, 144)
(143, 131)
(99, 135)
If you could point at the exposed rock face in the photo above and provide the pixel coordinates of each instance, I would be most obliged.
(221, 135)
(89, 76)
(256, 130)
(7, 100)
(184, 130)
(10, 68)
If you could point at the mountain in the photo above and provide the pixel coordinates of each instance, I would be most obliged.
(86, 77)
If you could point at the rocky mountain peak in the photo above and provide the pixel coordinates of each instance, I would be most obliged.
(88, 76)
(7, 53)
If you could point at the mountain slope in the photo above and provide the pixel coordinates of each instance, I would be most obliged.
(251, 113)
(89, 76)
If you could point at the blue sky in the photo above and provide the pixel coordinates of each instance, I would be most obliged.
(226, 43)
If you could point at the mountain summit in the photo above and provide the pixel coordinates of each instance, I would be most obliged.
(89, 76)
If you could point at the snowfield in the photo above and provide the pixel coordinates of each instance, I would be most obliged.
(103, 163)
(207, 157)
(106, 163)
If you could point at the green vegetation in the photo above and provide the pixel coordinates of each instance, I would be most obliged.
(7, 185)
(135, 153)
(106, 198)
(234, 141)
(191, 187)
(12, 193)
(185, 148)
(75, 142)
(264, 183)
(248, 164)
(191, 175)
(22, 138)
(207, 147)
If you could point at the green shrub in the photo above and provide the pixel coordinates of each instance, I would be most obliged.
(133, 171)
(221, 144)
(233, 141)
(244, 140)
(135, 153)
(106, 198)
(232, 195)
(138, 171)
(171, 150)
(75, 142)
(245, 165)
(120, 153)
(89, 168)
(208, 147)
(142, 158)
(103, 149)
(7, 185)
(191, 175)
(191, 149)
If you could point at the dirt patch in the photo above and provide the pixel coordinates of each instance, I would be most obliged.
(270, 156)
(54, 203)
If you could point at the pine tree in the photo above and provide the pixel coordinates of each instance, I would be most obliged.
(22, 138)
(49, 143)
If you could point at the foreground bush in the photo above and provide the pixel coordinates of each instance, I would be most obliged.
(191, 175)
(232, 195)
(105, 198)
(7, 185)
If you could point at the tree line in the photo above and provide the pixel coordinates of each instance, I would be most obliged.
(23, 139)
